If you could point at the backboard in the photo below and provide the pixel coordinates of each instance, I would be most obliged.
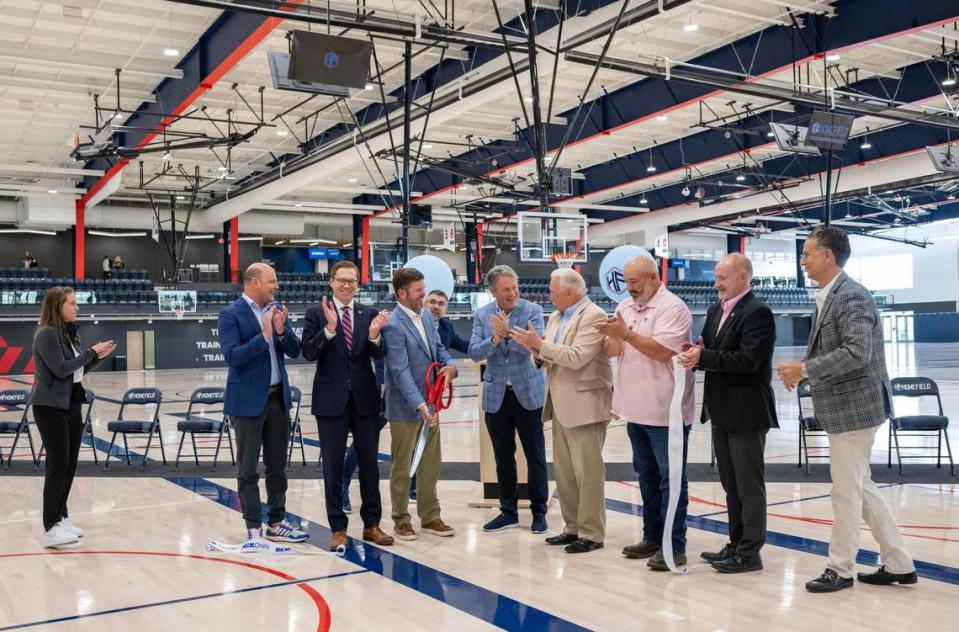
(542, 235)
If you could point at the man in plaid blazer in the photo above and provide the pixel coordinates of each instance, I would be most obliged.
(846, 367)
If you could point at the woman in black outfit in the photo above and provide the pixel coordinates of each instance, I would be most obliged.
(56, 399)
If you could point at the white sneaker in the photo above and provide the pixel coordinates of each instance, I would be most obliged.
(68, 525)
(58, 536)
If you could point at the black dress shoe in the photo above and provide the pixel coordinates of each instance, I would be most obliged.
(829, 581)
(882, 577)
(562, 539)
(583, 545)
(724, 553)
(739, 564)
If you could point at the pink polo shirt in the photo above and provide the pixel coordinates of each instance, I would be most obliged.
(643, 387)
(727, 307)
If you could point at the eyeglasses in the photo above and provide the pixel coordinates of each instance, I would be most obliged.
(345, 281)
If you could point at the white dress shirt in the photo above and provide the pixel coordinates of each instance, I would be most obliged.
(417, 322)
(78, 374)
(339, 312)
(259, 313)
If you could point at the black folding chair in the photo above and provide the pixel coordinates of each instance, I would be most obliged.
(17, 402)
(205, 396)
(296, 430)
(808, 425)
(144, 397)
(918, 425)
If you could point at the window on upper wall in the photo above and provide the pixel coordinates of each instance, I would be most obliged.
(883, 272)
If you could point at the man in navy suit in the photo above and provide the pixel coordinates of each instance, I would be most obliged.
(254, 338)
(342, 337)
(439, 302)
(412, 345)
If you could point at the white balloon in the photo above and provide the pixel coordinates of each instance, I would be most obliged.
(611, 276)
(437, 272)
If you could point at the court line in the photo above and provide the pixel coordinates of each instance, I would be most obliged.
(486, 605)
(323, 609)
(928, 570)
(108, 511)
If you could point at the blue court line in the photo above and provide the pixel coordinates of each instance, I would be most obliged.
(484, 604)
(928, 570)
(169, 602)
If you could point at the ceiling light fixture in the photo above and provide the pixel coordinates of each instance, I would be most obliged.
(52, 191)
(644, 200)
(181, 197)
(950, 79)
(528, 99)
(282, 132)
(651, 168)
(832, 57)
(740, 177)
(298, 204)
(118, 115)
(690, 27)
(369, 86)
(167, 155)
(428, 146)
(171, 52)
(662, 117)
(351, 180)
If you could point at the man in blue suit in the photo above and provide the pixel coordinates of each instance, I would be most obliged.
(412, 345)
(439, 302)
(342, 337)
(254, 338)
(513, 394)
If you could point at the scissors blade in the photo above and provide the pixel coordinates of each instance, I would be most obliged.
(420, 447)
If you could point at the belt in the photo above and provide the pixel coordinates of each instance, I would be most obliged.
(274, 388)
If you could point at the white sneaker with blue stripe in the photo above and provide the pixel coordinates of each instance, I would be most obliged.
(285, 532)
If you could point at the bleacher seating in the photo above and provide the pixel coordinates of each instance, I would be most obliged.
(26, 286)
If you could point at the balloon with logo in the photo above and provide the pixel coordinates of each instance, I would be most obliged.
(437, 273)
(611, 275)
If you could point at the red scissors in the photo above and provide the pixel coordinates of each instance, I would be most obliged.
(434, 388)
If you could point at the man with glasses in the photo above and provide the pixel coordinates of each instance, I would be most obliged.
(439, 303)
(343, 338)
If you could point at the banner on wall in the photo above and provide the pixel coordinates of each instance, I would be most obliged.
(449, 238)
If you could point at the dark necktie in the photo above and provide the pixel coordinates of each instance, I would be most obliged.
(347, 329)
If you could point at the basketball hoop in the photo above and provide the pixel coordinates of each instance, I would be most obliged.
(565, 260)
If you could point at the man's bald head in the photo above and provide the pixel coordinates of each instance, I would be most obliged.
(259, 283)
(642, 278)
(733, 275)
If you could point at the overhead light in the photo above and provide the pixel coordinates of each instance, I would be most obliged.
(690, 27)
(428, 146)
(324, 241)
(770, 134)
(832, 57)
(282, 132)
(740, 177)
(865, 144)
(651, 168)
(528, 99)
(167, 155)
(224, 168)
(298, 204)
(181, 197)
(662, 117)
(203, 236)
(118, 116)
(106, 234)
(686, 191)
(281, 242)
(7, 231)
(950, 197)
(52, 191)
(249, 239)
(171, 52)
(644, 200)
(368, 86)
(949, 81)
(351, 180)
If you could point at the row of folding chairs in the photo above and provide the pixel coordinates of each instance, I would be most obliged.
(900, 426)
(139, 415)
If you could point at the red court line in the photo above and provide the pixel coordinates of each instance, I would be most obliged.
(322, 608)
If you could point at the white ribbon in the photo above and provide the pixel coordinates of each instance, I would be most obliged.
(258, 545)
(675, 451)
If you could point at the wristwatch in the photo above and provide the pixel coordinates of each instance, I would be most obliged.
(626, 333)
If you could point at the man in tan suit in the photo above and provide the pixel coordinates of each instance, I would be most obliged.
(579, 394)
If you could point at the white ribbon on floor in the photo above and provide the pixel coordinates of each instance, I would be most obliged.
(258, 545)
(675, 450)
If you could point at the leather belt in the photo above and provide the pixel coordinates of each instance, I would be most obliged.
(274, 388)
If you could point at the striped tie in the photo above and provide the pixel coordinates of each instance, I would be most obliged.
(348, 329)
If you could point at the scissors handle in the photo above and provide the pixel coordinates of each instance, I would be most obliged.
(434, 388)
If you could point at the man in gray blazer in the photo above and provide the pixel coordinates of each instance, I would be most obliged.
(513, 394)
(412, 345)
(846, 367)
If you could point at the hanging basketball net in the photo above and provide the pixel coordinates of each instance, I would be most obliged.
(565, 260)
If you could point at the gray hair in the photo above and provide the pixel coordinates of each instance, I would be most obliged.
(569, 280)
(499, 271)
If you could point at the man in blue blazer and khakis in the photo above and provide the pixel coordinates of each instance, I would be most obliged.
(254, 337)
(513, 394)
(412, 344)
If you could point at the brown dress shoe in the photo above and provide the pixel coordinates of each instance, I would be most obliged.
(438, 527)
(376, 535)
(641, 551)
(404, 531)
(338, 542)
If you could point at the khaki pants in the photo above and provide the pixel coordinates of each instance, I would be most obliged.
(404, 435)
(581, 478)
(854, 499)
